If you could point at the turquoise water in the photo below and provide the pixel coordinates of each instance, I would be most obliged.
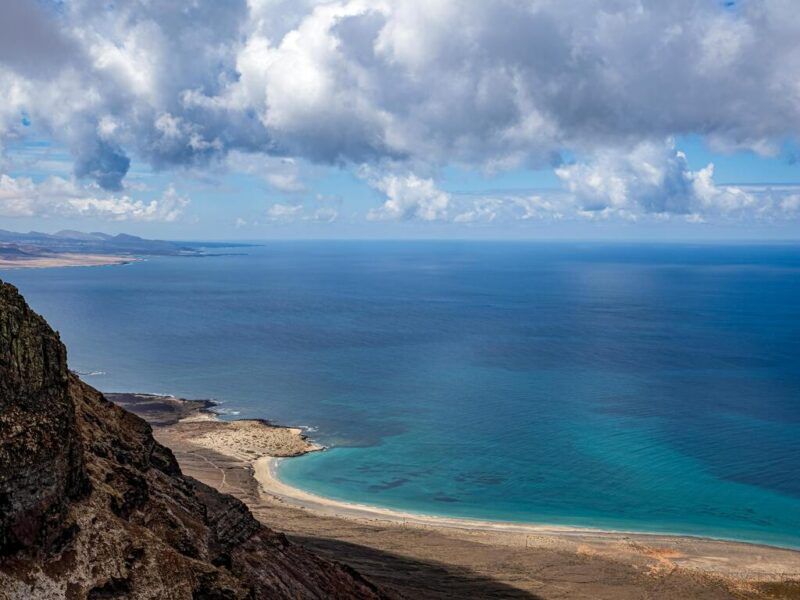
(615, 386)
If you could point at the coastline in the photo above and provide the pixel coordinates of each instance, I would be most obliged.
(265, 471)
(66, 260)
(197, 423)
(241, 458)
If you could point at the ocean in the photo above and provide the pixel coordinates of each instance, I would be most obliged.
(619, 386)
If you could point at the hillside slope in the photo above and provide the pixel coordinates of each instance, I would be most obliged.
(91, 506)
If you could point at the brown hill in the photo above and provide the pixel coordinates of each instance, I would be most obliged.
(91, 506)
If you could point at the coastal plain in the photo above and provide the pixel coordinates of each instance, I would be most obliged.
(421, 556)
(48, 261)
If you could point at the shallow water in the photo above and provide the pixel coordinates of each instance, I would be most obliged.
(617, 386)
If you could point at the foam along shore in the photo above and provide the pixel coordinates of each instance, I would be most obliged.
(243, 457)
(51, 260)
(262, 445)
(265, 470)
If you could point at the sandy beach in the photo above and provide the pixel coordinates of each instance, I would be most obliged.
(434, 557)
(265, 471)
(64, 260)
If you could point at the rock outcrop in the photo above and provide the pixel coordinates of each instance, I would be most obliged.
(91, 506)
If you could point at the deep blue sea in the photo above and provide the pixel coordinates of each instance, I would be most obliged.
(645, 387)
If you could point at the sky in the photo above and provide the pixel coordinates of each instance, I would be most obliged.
(499, 119)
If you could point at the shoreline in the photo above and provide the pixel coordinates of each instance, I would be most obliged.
(430, 556)
(66, 259)
(265, 471)
(198, 423)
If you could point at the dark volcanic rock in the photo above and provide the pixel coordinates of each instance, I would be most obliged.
(91, 506)
(41, 466)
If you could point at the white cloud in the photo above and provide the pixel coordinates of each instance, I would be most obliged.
(510, 208)
(482, 210)
(550, 206)
(489, 84)
(22, 197)
(281, 173)
(791, 204)
(408, 197)
(285, 182)
(418, 85)
(650, 179)
(167, 209)
(284, 212)
(291, 213)
(710, 198)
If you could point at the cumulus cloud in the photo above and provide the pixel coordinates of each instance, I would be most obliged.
(649, 176)
(119, 89)
(408, 197)
(360, 81)
(22, 197)
(419, 83)
(168, 208)
(650, 179)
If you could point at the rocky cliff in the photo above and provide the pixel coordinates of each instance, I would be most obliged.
(91, 506)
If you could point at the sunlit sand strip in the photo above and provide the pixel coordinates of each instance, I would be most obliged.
(265, 472)
(65, 260)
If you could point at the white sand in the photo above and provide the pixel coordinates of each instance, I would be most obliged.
(65, 260)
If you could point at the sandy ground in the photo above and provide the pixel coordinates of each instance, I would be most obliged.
(64, 260)
(430, 557)
(245, 440)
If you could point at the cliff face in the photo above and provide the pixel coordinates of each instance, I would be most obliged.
(41, 463)
(92, 507)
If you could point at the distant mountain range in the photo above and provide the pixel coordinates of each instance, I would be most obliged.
(15, 245)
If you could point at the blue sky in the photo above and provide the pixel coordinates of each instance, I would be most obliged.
(276, 119)
(221, 198)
